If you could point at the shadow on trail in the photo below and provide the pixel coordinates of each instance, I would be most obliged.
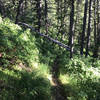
(58, 90)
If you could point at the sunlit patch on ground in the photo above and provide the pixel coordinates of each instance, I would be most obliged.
(0, 20)
(35, 65)
(64, 78)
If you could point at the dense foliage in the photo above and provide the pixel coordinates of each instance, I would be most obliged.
(50, 49)
(18, 51)
(16, 45)
(21, 85)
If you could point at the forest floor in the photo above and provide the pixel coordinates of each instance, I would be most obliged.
(58, 91)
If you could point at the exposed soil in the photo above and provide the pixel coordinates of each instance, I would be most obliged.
(58, 90)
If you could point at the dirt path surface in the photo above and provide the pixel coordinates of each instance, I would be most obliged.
(58, 91)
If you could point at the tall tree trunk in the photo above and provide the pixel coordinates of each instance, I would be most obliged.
(2, 9)
(58, 15)
(84, 27)
(38, 7)
(97, 45)
(61, 28)
(71, 29)
(95, 27)
(46, 16)
(18, 11)
(95, 22)
(89, 30)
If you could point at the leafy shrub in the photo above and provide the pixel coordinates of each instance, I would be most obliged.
(18, 50)
(16, 44)
(86, 75)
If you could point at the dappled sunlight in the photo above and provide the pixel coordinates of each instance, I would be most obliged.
(49, 50)
(35, 65)
(24, 85)
(64, 78)
(1, 20)
(95, 72)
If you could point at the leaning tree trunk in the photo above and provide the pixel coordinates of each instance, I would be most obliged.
(46, 36)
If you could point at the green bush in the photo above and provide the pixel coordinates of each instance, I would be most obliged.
(16, 44)
(17, 51)
(86, 76)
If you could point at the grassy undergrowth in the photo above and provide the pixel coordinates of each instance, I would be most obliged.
(22, 77)
(81, 79)
(22, 85)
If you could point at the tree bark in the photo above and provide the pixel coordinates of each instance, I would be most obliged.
(38, 8)
(95, 22)
(46, 16)
(71, 29)
(95, 27)
(89, 30)
(97, 42)
(18, 11)
(2, 9)
(84, 27)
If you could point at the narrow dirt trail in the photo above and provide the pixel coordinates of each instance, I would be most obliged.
(58, 91)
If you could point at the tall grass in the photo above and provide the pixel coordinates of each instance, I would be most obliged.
(22, 85)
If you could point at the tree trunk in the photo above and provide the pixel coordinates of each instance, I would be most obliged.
(2, 9)
(84, 27)
(89, 30)
(46, 36)
(95, 22)
(95, 27)
(46, 16)
(71, 29)
(18, 11)
(97, 42)
(38, 7)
